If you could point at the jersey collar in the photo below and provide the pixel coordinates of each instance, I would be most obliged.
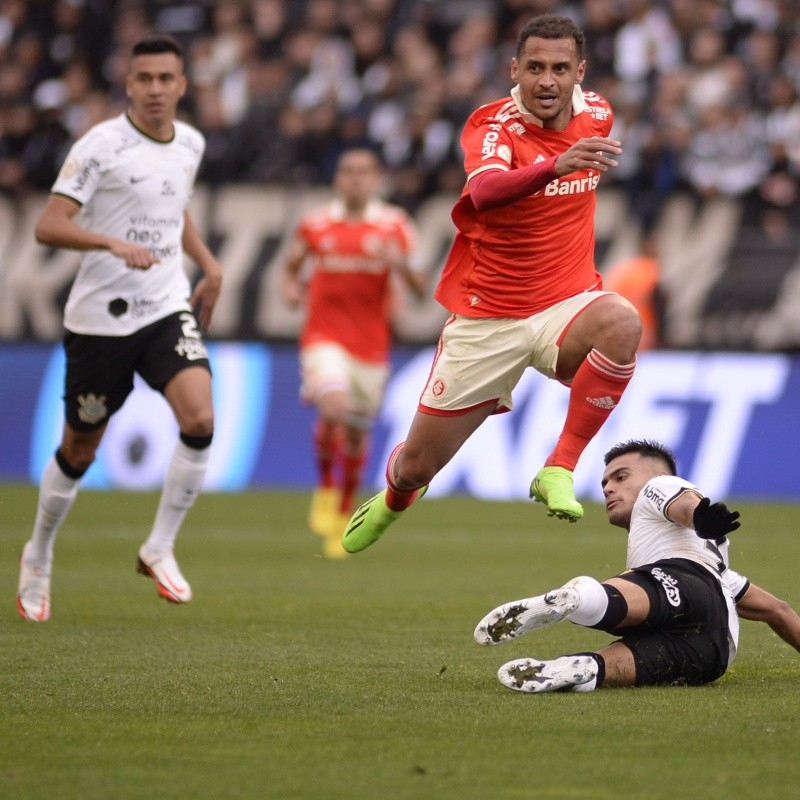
(147, 135)
(579, 105)
(371, 212)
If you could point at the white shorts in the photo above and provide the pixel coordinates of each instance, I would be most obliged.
(328, 367)
(480, 361)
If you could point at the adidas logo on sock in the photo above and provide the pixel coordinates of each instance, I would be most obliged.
(602, 402)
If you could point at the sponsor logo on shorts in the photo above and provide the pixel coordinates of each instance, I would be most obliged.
(670, 586)
(438, 388)
(191, 349)
(92, 408)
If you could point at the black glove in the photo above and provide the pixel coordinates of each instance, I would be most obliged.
(714, 520)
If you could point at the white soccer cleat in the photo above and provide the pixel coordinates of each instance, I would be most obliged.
(530, 675)
(164, 570)
(33, 594)
(520, 616)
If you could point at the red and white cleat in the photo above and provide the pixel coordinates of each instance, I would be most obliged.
(164, 570)
(33, 594)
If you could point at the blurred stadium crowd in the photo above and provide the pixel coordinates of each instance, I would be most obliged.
(706, 92)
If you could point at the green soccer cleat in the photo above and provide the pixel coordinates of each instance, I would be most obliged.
(553, 486)
(370, 521)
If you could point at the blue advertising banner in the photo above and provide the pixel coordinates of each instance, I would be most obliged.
(730, 418)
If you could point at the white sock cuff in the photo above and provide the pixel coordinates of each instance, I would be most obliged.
(191, 455)
(593, 601)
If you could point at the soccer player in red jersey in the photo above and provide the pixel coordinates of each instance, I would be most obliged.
(520, 280)
(354, 247)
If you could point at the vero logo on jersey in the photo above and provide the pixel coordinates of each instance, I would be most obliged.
(489, 145)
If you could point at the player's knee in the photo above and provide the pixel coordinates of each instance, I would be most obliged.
(624, 329)
(199, 423)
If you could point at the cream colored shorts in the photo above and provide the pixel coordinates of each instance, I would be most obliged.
(482, 360)
(328, 367)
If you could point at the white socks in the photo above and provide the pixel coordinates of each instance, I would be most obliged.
(182, 484)
(593, 601)
(56, 494)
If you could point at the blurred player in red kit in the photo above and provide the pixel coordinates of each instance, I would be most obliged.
(355, 246)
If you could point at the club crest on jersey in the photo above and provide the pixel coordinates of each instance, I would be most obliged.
(92, 408)
(69, 169)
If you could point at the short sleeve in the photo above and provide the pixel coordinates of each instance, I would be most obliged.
(83, 168)
(487, 145)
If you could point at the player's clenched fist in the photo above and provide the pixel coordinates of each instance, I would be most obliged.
(135, 256)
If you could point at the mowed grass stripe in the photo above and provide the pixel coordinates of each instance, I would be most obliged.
(290, 676)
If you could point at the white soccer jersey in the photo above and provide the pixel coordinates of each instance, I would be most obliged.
(654, 537)
(135, 188)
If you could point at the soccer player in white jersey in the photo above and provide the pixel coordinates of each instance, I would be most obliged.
(121, 197)
(677, 605)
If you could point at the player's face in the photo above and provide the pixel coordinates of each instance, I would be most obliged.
(547, 71)
(357, 177)
(154, 86)
(623, 479)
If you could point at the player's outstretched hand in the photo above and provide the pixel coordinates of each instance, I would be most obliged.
(714, 520)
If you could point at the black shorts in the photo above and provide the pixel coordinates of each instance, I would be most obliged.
(685, 637)
(100, 369)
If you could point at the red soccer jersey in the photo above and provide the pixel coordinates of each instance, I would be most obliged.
(349, 290)
(519, 259)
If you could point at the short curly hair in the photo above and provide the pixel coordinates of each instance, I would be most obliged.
(552, 26)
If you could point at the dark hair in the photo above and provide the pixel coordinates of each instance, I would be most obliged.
(646, 448)
(156, 43)
(552, 26)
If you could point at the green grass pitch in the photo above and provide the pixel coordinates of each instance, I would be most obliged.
(290, 676)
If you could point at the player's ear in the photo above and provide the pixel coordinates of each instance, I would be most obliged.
(581, 71)
(514, 69)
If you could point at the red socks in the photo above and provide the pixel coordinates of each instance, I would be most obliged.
(325, 446)
(398, 499)
(594, 393)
